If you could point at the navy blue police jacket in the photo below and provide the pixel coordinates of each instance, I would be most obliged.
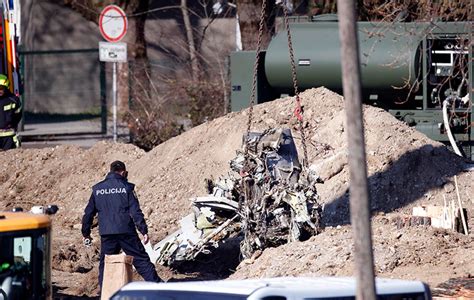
(116, 204)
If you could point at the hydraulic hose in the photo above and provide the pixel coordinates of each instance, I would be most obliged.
(452, 141)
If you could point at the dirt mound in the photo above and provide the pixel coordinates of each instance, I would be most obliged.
(405, 169)
(421, 253)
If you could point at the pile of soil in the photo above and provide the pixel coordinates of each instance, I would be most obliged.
(421, 253)
(405, 169)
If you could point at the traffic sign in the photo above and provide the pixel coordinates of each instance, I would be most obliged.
(113, 23)
(112, 52)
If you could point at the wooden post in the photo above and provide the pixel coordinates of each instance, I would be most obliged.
(359, 194)
(464, 223)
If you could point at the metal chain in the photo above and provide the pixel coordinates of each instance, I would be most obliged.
(298, 109)
(254, 82)
(248, 205)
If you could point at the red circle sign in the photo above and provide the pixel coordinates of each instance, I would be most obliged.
(113, 23)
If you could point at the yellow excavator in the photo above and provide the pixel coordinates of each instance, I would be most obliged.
(25, 254)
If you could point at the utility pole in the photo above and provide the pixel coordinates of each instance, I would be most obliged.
(359, 192)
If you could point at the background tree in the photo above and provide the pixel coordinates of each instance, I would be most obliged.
(389, 11)
(249, 19)
(319, 7)
(414, 10)
(191, 40)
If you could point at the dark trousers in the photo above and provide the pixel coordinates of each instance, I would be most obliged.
(131, 245)
(9, 142)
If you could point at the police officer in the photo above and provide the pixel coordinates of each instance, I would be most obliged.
(115, 202)
(10, 116)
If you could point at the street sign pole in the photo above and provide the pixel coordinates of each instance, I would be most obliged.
(113, 52)
(114, 99)
(113, 27)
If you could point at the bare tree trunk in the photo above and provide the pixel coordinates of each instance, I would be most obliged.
(190, 38)
(359, 193)
(139, 76)
(123, 90)
(249, 19)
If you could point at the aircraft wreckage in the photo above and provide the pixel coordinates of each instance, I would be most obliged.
(266, 200)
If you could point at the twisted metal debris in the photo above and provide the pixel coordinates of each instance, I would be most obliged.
(267, 202)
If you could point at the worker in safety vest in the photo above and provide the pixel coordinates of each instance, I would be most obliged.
(10, 116)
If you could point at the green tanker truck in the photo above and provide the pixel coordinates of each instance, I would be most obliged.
(419, 72)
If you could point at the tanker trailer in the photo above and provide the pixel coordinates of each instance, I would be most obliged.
(416, 71)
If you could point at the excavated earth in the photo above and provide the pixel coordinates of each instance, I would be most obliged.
(405, 169)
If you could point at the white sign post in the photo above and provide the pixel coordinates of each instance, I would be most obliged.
(113, 27)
